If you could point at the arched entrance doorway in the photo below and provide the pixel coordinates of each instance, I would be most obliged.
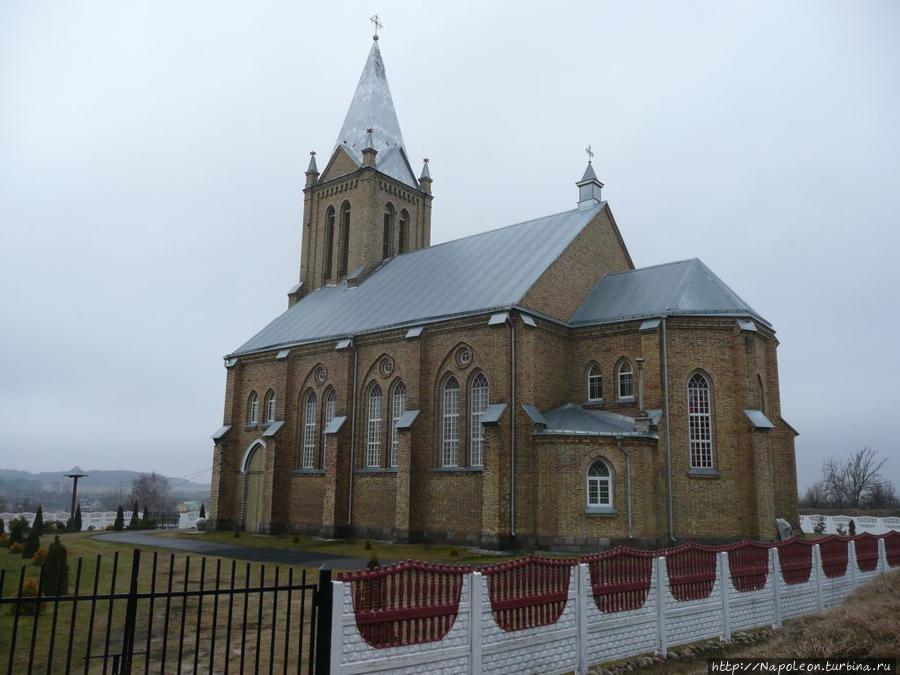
(254, 472)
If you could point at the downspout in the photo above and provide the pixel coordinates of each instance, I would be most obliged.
(352, 438)
(665, 354)
(512, 428)
(627, 482)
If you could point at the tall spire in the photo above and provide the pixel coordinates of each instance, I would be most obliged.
(589, 186)
(372, 107)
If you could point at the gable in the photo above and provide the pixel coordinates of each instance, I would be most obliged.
(597, 250)
(339, 165)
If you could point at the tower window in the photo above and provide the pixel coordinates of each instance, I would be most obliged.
(329, 241)
(345, 239)
(626, 379)
(403, 239)
(450, 423)
(700, 422)
(387, 243)
(253, 408)
(270, 406)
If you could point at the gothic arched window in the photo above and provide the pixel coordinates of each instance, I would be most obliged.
(479, 397)
(599, 485)
(398, 407)
(329, 241)
(309, 431)
(253, 408)
(625, 376)
(388, 236)
(403, 243)
(270, 406)
(329, 408)
(450, 423)
(374, 427)
(595, 383)
(700, 422)
(345, 238)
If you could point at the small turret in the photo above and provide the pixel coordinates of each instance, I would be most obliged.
(369, 153)
(589, 186)
(312, 172)
(425, 177)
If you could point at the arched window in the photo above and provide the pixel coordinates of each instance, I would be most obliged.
(374, 427)
(595, 383)
(309, 431)
(329, 241)
(763, 403)
(599, 485)
(700, 422)
(398, 406)
(388, 236)
(345, 238)
(253, 408)
(450, 423)
(479, 398)
(403, 243)
(625, 378)
(270, 406)
(329, 408)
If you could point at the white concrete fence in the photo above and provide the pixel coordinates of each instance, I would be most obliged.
(583, 635)
(98, 520)
(868, 524)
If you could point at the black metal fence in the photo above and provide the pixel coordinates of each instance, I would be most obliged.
(165, 613)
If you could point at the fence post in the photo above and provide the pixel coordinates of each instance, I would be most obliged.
(323, 621)
(817, 564)
(475, 609)
(130, 615)
(851, 562)
(725, 590)
(775, 573)
(882, 556)
(337, 625)
(662, 582)
(584, 594)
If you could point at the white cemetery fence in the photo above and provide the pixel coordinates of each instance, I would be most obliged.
(100, 520)
(541, 615)
(841, 524)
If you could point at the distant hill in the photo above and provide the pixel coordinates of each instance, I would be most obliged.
(97, 480)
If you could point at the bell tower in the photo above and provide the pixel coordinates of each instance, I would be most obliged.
(366, 206)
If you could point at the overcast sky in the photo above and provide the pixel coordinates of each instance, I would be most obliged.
(152, 158)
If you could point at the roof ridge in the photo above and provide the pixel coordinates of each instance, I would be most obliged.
(652, 267)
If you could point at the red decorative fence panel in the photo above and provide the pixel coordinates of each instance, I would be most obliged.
(620, 578)
(892, 548)
(748, 564)
(405, 604)
(866, 552)
(834, 551)
(795, 560)
(692, 571)
(528, 592)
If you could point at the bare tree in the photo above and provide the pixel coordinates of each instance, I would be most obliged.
(151, 490)
(852, 481)
(815, 497)
(883, 496)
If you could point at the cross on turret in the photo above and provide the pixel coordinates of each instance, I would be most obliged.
(377, 22)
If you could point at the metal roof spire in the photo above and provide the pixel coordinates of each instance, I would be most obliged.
(425, 172)
(589, 186)
(312, 163)
(373, 107)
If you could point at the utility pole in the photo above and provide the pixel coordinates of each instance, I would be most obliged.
(74, 477)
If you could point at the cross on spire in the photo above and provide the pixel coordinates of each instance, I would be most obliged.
(377, 22)
(590, 154)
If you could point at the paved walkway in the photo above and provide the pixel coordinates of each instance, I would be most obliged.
(279, 556)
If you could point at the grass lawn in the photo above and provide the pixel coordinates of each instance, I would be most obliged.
(98, 627)
(384, 551)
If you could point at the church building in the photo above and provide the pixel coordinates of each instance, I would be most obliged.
(523, 387)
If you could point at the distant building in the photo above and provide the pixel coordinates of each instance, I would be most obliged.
(524, 386)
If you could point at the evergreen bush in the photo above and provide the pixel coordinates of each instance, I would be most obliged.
(135, 522)
(38, 524)
(56, 569)
(32, 544)
(852, 528)
(18, 527)
(78, 518)
(119, 524)
(373, 563)
(202, 510)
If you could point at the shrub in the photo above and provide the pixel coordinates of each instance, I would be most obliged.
(56, 569)
(200, 524)
(54, 526)
(368, 546)
(39, 557)
(135, 522)
(296, 538)
(29, 590)
(119, 523)
(4, 540)
(18, 527)
(38, 524)
(2, 527)
(147, 523)
(373, 562)
(819, 527)
(840, 529)
(203, 510)
(237, 534)
(852, 527)
(32, 544)
(15, 548)
(78, 518)
(454, 552)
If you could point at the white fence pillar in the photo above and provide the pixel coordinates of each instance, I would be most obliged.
(584, 594)
(726, 595)
(882, 556)
(851, 562)
(662, 584)
(338, 589)
(475, 638)
(775, 574)
(817, 568)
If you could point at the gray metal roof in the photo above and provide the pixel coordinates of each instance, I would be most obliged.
(493, 413)
(758, 419)
(684, 287)
(572, 419)
(373, 108)
(407, 419)
(483, 272)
